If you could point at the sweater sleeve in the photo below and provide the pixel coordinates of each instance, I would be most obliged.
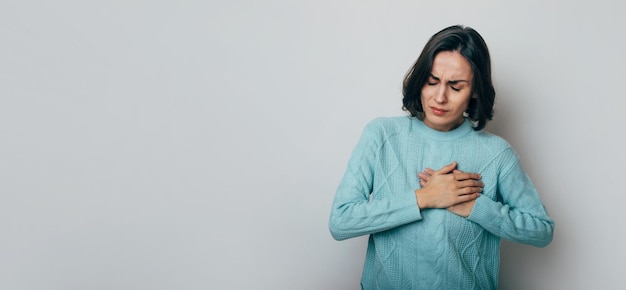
(521, 216)
(353, 213)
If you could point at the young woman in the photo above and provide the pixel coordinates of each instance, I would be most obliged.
(438, 229)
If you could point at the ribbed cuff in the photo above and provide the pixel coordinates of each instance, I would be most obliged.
(482, 212)
(410, 211)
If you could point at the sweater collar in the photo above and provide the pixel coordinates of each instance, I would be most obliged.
(457, 132)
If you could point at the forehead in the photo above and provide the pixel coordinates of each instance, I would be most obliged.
(451, 65)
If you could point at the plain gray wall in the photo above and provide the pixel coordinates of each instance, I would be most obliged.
(198, 145)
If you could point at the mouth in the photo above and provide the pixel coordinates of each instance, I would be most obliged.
(438, 111)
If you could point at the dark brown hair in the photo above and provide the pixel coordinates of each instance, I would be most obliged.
(470, 45)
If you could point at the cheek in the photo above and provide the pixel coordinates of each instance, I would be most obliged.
(426, 92)
(424, 99)
(427, 89)
(464, 105)
(467, 101)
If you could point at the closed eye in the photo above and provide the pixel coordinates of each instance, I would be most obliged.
(454, 83)
(433, 80)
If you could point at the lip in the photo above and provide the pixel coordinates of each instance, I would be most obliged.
(438, 111)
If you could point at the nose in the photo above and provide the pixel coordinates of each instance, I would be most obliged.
(441, 95)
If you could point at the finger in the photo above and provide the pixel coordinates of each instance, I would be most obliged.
(465, 176)
(423, 175)
(446, 169)
(471, 183)
(424, 180)
(470, 190)
(469, 197)
(475, 176)
(429, 171)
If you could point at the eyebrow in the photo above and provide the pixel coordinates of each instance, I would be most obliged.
(453, 82)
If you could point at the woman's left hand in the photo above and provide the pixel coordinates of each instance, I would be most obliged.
(462, 209)
(425, 176)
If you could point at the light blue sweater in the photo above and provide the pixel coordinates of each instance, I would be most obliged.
(434, 248)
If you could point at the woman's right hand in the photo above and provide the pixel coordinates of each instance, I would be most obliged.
(447, 187)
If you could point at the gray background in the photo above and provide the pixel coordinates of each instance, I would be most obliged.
(198, 145)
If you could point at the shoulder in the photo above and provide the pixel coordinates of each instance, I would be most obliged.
(385, 129)
(501, 150)
(389, 126)
(495, 144)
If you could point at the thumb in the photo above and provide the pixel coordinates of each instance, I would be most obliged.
(446, 169)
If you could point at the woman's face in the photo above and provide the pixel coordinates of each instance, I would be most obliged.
(446, 94)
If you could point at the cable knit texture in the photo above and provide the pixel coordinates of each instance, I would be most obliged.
(434, 248)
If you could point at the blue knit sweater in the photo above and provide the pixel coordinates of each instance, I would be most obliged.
(434, 248)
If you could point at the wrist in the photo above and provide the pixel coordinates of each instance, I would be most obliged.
(422, 201)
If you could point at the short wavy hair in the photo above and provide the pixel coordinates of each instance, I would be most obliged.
(470, 45)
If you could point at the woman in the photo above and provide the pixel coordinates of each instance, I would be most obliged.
(438, 229)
